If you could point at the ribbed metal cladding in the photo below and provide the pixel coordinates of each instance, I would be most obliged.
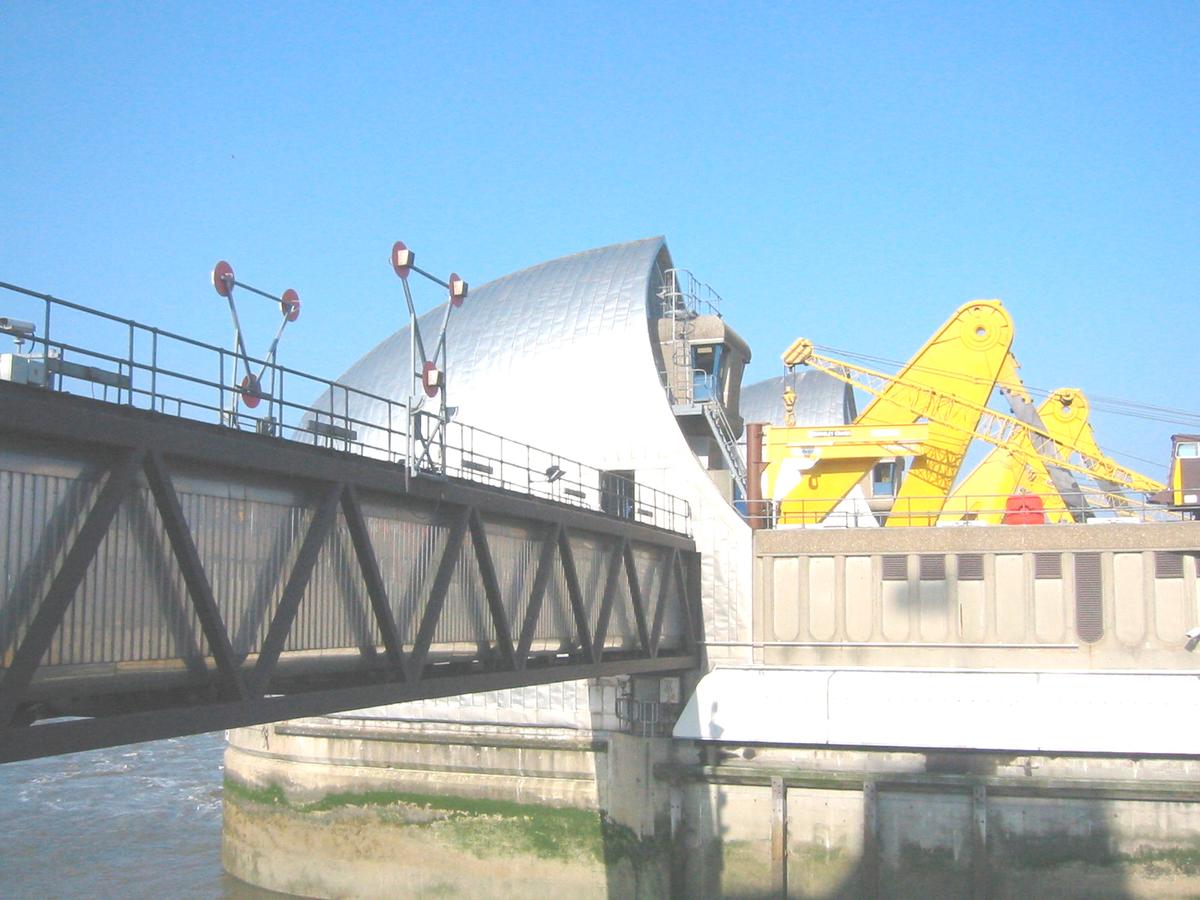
(970, 567)
(133, 605)
(1089, 594)
(43, 513)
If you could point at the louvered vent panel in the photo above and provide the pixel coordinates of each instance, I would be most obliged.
(895, 568)
(1089, 612)
(933, 568)
(970, 567)
(1168, 565)
(1047, 565)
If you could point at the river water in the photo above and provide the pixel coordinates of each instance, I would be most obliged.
(126, 822)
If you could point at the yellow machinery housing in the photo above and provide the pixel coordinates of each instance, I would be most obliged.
(947, 384)
(963, 358)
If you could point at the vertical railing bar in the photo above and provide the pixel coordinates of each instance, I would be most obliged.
(221, 388)
(129, 390)
(154, 368)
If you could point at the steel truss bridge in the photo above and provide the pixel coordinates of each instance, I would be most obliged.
(162, 576)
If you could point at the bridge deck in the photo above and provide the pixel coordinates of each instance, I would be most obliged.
(166, 576)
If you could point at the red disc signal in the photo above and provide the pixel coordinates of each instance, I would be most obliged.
(289, 305)
(402, 259)
(431, 379)
(458, 289)
(251, 392)
(222, 278)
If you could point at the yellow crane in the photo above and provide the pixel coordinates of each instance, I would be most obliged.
(961, 359)
(947, 383)
(1064, 415)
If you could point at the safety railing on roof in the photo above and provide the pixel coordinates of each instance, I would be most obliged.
(169, 373)
(684, 293)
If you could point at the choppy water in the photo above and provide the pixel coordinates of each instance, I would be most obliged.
(128, 822)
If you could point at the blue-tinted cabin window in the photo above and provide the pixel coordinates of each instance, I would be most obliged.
(883, 480)
(706, 370)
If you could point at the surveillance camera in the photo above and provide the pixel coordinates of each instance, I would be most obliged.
(16, 327)
(1193, 634)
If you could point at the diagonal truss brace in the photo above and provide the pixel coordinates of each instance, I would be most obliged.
(249, 681)
(63, 585)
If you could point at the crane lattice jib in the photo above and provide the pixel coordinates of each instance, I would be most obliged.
(993, 427)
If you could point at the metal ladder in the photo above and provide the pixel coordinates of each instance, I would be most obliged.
(714, 412)
(677, 306)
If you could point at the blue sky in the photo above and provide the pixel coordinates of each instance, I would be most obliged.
(847, 172)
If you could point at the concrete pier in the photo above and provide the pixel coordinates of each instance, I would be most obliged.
(334, 807)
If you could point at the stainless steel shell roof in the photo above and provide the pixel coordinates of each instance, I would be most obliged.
(820, 399)
(560, 356)
(548, 355)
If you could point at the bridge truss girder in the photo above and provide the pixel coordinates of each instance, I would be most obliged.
(222, 682)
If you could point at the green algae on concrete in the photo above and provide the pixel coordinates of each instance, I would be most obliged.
(1159, 861)
(1041, 852)
(483, 827)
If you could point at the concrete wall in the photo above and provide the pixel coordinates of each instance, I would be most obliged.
(846, 823)
(1018, 597)
(362, 806)
(849, 821)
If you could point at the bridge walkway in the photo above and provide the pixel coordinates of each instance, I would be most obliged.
(163, 576)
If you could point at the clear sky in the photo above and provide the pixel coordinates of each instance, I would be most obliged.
(845, 172)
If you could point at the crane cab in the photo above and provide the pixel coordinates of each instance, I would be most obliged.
(1183, 486)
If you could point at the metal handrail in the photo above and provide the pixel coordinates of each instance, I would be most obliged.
(683, 292)
(969, 510)
(145, 381)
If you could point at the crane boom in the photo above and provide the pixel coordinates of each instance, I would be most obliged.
(1001, 474)
(997, 429)
(965, 356)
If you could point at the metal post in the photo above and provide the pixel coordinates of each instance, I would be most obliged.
(130, 389)
(778, 837)
(46, 338)
(221, 388)
(755, 509)
(154, 369)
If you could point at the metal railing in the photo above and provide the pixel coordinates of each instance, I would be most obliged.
(692, 383)
(646, 718)
(682, 297)
(683, 293)
(169, 373)
(964, 511)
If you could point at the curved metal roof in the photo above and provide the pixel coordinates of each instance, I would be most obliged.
(543, 355)
(564, 356)
(820, 399)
